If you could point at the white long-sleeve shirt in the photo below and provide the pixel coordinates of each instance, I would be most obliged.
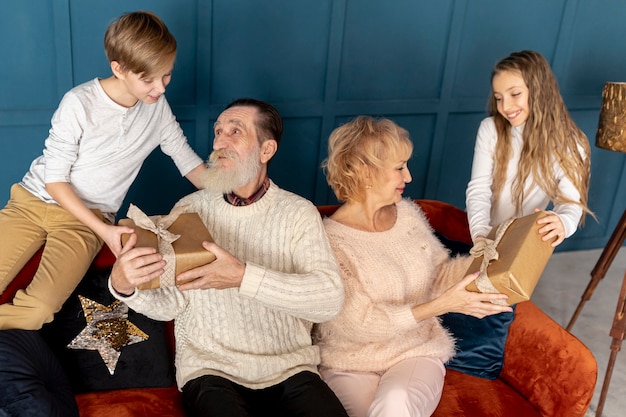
(259, 334)
(99, 146)
(479, 195)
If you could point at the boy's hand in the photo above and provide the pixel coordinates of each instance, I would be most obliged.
(552, 227)
(112, 236)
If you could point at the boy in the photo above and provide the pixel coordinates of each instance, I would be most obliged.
(101, 133)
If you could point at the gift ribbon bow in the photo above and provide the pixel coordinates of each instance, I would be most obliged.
(487, 248)
(159, 225)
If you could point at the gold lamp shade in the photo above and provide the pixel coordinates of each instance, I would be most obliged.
(611, 132)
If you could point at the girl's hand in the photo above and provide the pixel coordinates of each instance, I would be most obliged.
(552, 228)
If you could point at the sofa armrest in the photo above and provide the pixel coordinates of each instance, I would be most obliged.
(547, 364)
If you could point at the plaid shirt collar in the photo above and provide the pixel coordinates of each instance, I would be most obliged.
(235, 200)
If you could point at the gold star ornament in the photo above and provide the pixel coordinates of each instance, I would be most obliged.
(108, 330)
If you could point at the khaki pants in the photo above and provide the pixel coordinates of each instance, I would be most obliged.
(26, 224)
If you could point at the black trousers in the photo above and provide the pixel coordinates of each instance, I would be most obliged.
(302, 395)
(32, 381)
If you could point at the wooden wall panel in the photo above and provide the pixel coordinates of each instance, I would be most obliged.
(277, 51)
(27, 38)
(424, 64)
(391, 56)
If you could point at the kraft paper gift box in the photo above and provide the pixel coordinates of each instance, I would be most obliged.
(178, 236)
(513, 260)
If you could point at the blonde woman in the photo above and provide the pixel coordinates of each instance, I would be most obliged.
(384, 354)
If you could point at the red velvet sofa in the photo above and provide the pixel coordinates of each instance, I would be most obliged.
(547, 371)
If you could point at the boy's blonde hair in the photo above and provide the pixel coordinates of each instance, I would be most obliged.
(363, 145)
(140, 42)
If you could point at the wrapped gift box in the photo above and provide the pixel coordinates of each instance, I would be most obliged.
(522, 257)
(177, 236)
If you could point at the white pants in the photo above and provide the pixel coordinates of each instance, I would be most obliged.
(411, 388)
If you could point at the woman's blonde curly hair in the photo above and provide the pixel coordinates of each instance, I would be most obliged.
(358, 152)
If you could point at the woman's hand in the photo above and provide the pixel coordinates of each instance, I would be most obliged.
(457, 299)
(552, 228)
(476, 304)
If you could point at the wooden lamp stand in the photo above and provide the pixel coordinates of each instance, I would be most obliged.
(618, 329)
(611, 135)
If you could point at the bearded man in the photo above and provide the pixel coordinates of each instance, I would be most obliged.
(243, 322)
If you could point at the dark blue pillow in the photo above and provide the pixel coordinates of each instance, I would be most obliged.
(32, 382)
(479, 342)
(454, 246)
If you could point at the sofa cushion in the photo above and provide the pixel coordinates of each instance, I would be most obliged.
(32, 382)
(546, 364)
(468, 396)
(136, 402)
(103, 345)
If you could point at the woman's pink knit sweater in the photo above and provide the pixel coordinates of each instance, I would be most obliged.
(385, 274)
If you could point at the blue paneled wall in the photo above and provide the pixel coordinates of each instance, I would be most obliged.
(424, 64)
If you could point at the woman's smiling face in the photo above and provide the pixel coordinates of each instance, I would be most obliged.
(392, 182)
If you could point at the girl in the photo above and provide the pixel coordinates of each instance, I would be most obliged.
(529, 153)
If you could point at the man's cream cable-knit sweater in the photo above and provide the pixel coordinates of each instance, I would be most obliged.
(385, 274)
(259, 334)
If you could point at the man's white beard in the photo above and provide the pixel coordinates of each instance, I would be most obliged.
(226, 180)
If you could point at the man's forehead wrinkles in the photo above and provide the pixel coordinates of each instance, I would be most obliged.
(236, 122)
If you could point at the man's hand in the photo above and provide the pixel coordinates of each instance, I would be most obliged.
(225, 271)
(135, 266)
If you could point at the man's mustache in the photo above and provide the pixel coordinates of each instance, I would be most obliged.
(215, 155)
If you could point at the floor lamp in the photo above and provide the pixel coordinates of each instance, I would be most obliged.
(611, 135)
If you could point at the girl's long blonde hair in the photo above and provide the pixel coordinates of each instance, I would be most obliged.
(549, 135)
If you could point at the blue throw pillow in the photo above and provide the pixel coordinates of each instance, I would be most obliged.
(32, 381)
(479, 342)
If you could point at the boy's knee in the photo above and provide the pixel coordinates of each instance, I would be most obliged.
(25, 318)
(39, 315)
